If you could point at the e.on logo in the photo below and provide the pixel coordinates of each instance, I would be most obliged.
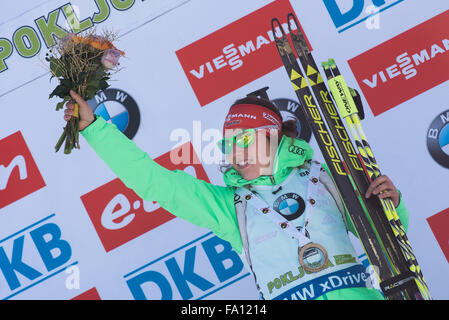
(19, 174)
(91, 294)
(439, 223)
(235, 55)
(404, 66)
(120, 215)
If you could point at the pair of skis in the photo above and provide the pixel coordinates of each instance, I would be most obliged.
(380, 231)
(349, 112)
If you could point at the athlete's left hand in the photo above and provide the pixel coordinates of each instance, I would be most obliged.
(385, 188)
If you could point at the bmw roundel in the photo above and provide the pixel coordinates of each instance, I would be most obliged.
(290, 205)
(292, 110)
(438, 139)
(118, 107)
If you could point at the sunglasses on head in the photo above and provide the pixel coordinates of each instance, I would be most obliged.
(242, 139)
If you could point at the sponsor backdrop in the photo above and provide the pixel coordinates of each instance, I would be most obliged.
(71, 230)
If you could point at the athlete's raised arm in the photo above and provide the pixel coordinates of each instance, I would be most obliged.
(201, 203)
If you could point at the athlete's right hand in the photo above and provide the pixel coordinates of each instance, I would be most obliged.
(85, 112)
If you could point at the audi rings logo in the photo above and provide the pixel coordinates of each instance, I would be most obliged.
(295, 149)
(291, 110)
(118, 107)
(438, 139)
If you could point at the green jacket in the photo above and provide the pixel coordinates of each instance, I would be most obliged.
(197, 201)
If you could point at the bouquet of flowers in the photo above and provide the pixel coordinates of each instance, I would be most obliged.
(82, 63)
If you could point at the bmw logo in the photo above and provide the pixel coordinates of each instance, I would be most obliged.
(118, 107)
(438, 139)
(292, 110)
(290, 206)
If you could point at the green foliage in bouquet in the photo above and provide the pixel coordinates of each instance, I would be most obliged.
(81, 63)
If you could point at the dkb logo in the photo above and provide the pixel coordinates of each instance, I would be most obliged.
(32, 255)
(195, 271)
(348, 13)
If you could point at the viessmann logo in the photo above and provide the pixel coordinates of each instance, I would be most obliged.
(234, 55)
(404, 66)
(120, 215)
(240, 115)
(19, 174)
